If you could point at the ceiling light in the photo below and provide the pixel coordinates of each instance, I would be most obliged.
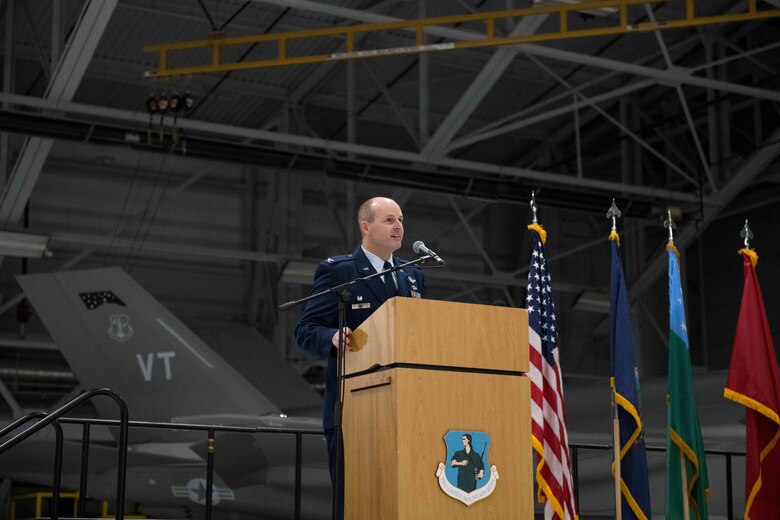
(298, 271)
(24, 245)
(151, 105)
(592, 301)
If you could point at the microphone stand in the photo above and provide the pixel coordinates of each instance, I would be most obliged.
(342, 291)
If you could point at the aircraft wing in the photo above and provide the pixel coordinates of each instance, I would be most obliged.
(262, 365)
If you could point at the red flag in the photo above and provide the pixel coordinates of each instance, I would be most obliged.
(753, 381)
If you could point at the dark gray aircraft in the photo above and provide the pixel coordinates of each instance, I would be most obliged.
(114, 334)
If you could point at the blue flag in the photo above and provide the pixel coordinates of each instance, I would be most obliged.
(634, 486)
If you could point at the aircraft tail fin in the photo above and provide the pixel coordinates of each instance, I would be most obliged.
(114, 334)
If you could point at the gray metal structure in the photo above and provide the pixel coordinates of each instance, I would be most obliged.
(278, 159)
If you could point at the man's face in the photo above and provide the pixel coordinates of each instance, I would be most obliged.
(465, 441)
(385, 232)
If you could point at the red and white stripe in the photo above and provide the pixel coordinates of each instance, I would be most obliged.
(548, 429)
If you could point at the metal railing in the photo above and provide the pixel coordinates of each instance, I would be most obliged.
(728, 455)
(54, 418)
(211, 431)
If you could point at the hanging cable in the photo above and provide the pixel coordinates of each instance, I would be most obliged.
(206, 12)
(246, 4)
(121, 223)
(240, 59)
(153, 215)
(143, 214)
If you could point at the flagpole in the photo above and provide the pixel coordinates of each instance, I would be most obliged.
(555, 482)
(754, 382)
(616, 445)
(684, 475)
(613, 213)
(670, 225)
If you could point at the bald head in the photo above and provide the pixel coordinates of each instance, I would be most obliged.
(366, 210)
(381, 226)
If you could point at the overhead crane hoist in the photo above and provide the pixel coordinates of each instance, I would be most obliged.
(282, 45)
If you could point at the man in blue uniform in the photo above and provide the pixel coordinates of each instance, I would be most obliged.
(381, 226)
(469, 464)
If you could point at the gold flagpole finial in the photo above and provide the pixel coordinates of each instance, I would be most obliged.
(746, 234)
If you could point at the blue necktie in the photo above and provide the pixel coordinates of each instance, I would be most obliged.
(390, 287)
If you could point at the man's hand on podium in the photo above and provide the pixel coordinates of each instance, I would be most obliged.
(335, 339)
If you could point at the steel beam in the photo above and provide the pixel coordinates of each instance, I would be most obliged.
(668, 77)
(531, 114)
(619, 26)
(47, 67)
(62, 87)
(475, 241)
(479, 88)
(424, 77)
(673, 77)
(11, 303)
(140, 120)
(397, 109)
(56, 33)
(312, 80)
(9, 54)
(661, 157)
(498, 279)
(684, 104)
(686, 235)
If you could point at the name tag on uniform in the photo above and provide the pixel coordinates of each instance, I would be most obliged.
(362, 305)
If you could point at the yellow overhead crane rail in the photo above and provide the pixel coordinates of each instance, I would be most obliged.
(615, 10)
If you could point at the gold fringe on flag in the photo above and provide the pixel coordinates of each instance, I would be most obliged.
(615, 236)
(539, 229)
(751, 253)
(670, 247)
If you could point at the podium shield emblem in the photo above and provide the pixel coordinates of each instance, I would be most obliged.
(466, 475)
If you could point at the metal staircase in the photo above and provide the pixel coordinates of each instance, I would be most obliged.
(53, 419)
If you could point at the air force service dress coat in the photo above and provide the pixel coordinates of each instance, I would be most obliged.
(319, 321)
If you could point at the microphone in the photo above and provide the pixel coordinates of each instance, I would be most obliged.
(419, 248)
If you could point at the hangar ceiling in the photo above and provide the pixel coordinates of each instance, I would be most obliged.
(222, 210)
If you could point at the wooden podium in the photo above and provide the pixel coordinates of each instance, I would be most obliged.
(418, 369)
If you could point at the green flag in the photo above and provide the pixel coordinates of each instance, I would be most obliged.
(684, 447)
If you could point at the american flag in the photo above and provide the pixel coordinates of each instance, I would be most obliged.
(548, 425)
(93, 300)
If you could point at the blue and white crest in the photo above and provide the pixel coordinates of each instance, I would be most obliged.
(467, 475)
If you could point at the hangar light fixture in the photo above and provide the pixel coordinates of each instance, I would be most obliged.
(298, 271)
(592, 301)
(23, 245)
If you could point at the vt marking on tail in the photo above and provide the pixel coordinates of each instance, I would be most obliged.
(146, 366)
